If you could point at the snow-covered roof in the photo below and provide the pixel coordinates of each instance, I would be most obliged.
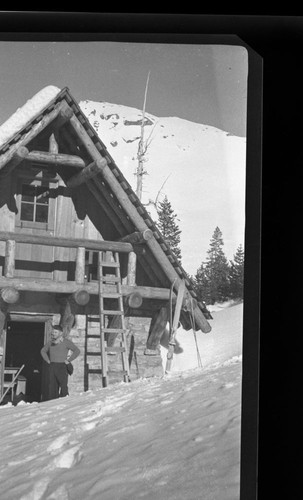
(24, 115)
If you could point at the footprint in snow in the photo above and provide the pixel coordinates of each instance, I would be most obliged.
(38, 490)
(59, 494)
(58, 444)
(68, 458)
(88, 426)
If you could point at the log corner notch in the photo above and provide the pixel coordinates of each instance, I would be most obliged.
(9, 295)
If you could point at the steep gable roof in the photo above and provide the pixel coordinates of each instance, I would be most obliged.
(55, 109)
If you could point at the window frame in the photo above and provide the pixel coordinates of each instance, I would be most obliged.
(40, 179)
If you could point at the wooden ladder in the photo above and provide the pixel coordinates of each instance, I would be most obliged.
(111, 292)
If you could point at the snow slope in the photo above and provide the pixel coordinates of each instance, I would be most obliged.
(200, 168)
(171, 438)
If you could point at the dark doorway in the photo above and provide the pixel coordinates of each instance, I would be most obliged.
(23, 344)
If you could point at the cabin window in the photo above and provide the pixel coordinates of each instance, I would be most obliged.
(36, 202)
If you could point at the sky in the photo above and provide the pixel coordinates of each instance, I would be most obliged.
(201, 83)
(173, 437)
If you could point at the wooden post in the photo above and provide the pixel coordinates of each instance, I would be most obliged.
(9, 264)
(131, 269)
(80, 265)
(53, 145)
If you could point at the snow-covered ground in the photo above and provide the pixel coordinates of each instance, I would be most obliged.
(175, 437)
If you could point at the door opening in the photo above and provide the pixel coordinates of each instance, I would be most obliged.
(23, 344)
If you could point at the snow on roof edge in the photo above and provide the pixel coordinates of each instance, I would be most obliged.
(23, 115)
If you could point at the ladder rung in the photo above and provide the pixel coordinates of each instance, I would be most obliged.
(95, 370)
(110, 279)
(104, 263)
(112, 312)
(114, 330)
(93, 353)
(114, 295)
(92, 336)
(115, 349)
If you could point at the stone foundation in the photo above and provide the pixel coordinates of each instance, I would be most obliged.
(141, 365)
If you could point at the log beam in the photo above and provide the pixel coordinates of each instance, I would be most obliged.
(138, 237)
(87, 173)
(100, 245)
(50, 158)
(70, 287)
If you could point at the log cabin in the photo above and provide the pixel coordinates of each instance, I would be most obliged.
(78, 248)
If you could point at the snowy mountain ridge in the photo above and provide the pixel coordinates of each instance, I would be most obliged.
(199, 167)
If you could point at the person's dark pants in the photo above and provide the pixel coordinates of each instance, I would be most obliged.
(58, 380)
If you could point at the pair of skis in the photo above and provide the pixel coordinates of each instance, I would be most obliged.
(174, 325)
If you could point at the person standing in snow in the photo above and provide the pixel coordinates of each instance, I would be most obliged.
(55, 353)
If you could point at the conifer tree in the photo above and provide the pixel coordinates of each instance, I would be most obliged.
(212, 278)
(202, 284)
(236, 274)
(168, 227)
(217, 268)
